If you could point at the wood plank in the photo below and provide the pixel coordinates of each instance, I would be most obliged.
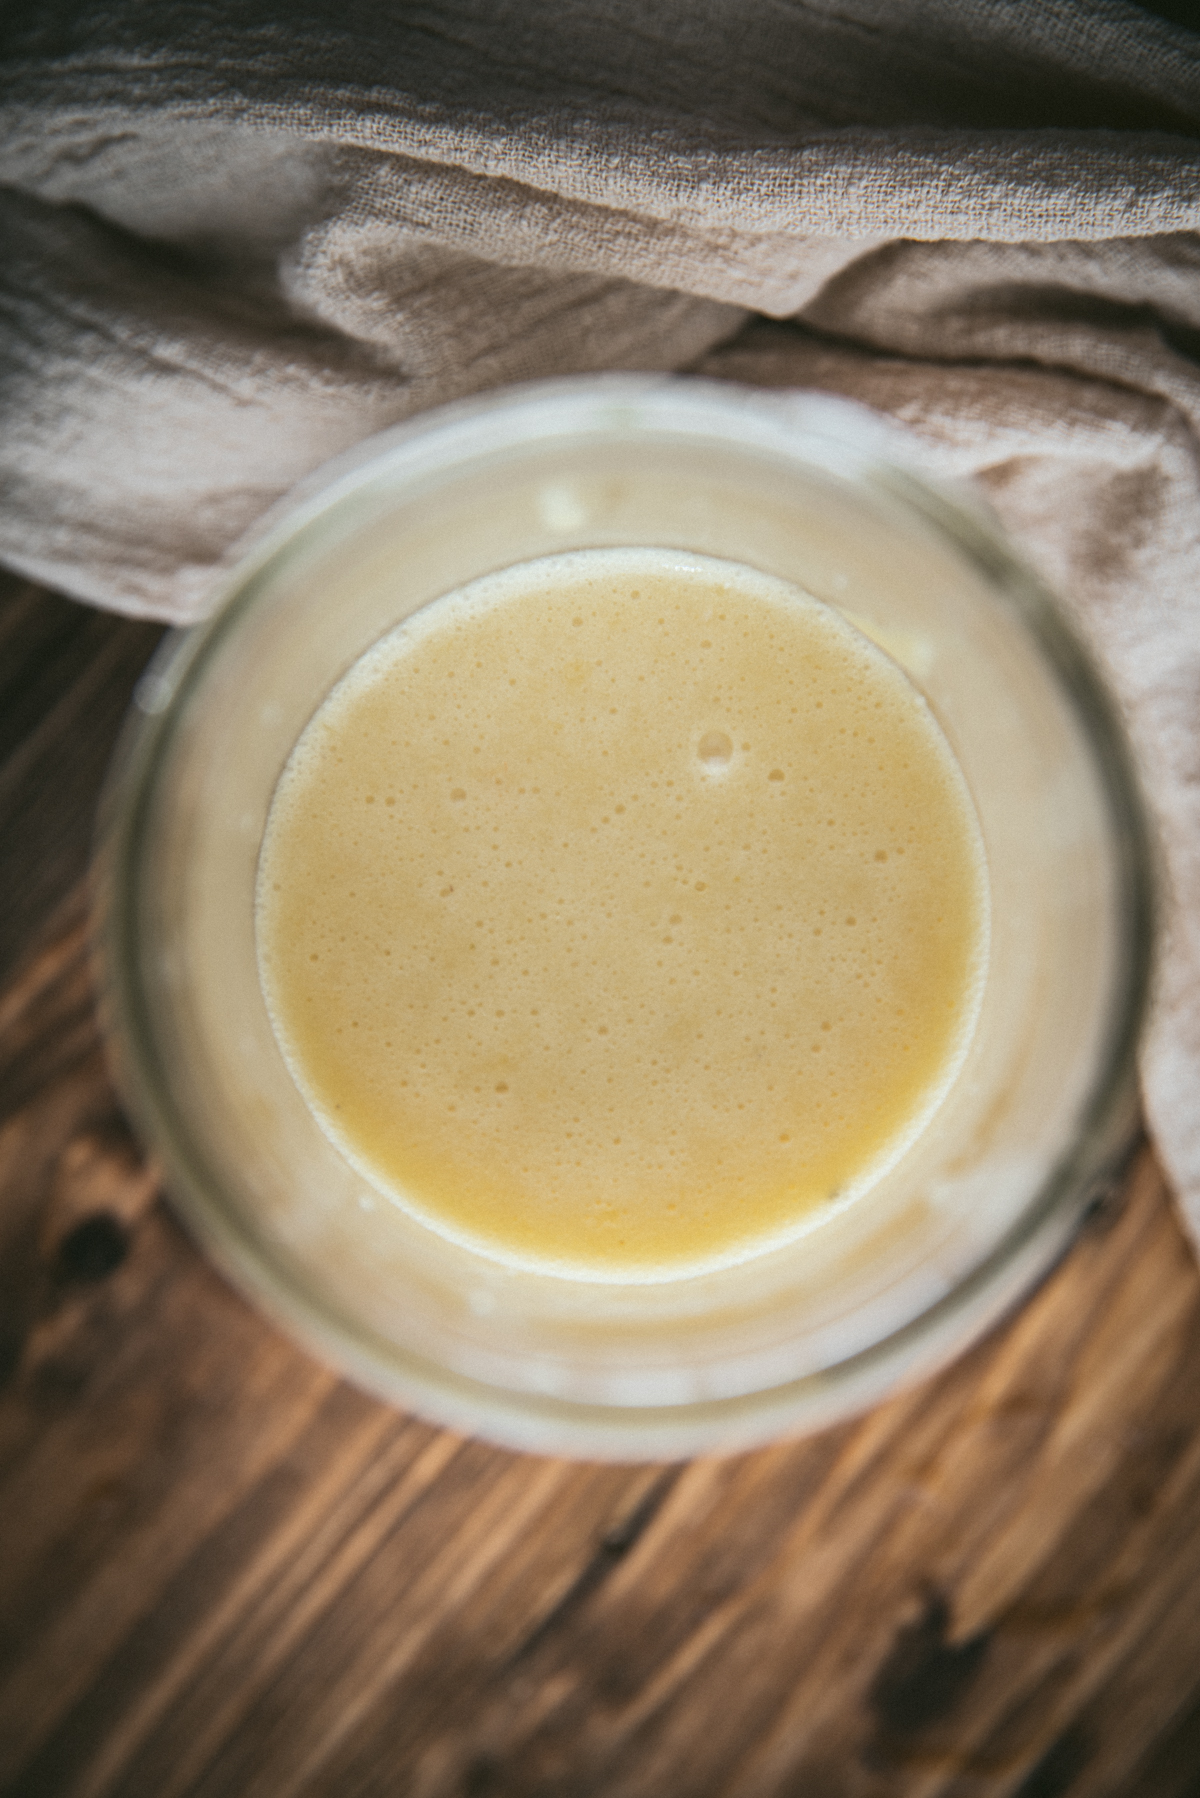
(66, 673)
(224, 1571)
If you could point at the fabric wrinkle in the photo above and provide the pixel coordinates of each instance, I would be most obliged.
(239, 241)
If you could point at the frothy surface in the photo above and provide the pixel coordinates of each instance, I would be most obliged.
(621, 911)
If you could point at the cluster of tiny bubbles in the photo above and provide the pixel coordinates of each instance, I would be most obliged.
(617, 949)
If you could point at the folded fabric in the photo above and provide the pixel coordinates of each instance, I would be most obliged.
(239, 237)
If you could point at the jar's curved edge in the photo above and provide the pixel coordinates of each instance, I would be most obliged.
(540, 1423)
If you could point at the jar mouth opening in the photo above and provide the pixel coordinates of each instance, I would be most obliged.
(545, 1409)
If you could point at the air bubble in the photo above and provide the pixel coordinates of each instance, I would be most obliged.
(714, 748)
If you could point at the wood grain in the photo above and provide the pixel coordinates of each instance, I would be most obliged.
(225, 1572)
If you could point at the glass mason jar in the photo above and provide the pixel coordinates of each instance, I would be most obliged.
(977, 1208)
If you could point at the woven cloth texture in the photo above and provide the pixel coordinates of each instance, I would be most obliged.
(238, 237)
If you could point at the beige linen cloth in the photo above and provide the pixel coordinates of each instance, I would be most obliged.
(238, 236)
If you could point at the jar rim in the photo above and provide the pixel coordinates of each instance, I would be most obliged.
(879, 456)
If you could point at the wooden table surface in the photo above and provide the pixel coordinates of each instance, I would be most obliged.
(224, 1572)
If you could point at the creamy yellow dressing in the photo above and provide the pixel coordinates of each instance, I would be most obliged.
(622, 911)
